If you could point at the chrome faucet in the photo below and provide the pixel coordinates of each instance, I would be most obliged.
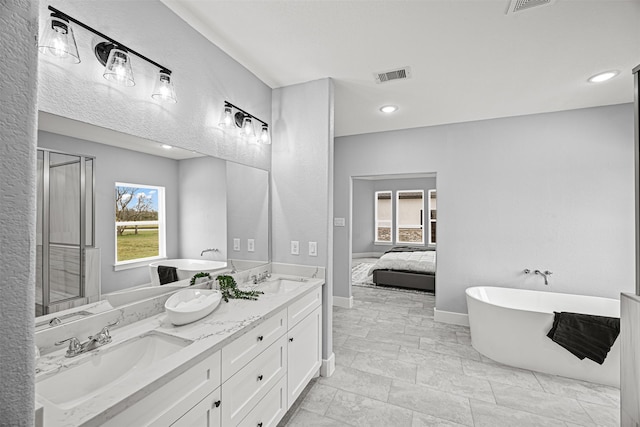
(76, 347)
(209, 250)
(544, 274)
(260, 277)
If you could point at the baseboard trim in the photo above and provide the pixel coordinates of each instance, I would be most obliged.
(343, 302)
(328, 366)
(450, 317)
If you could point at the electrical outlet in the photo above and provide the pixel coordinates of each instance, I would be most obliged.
(295, 247)
(313, 248)
(251, 245)
(236, 244)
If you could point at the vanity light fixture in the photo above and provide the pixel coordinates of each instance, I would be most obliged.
(58, 41)
(245, 123)
(603, 77)
(388, 109)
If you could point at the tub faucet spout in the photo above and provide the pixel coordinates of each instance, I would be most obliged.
(209, 250)
(544, 274)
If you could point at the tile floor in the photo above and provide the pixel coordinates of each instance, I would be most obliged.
(396, 367)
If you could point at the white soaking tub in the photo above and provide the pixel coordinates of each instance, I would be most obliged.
(510, 326)
(186, 268)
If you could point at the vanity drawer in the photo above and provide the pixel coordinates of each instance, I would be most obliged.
(205, 413)
(172, 400)
(305, 305)
(243, 390)
(270, 410)
(243, 349)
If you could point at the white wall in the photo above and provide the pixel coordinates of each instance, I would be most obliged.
(549, 191)
(203, 208)
(18, 69)
(113, 165)
(247, 211)
(302, 199)
(363, 232)
(204, 77)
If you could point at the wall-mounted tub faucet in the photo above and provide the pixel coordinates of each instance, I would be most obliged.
(544, 274)
(209, 250)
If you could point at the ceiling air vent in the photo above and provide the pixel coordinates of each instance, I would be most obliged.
(397, 74)
(520, 5)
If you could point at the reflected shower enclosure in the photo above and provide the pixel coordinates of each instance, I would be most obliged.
(65, 230)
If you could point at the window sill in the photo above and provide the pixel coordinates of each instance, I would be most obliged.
(136, 264)
(383, 243)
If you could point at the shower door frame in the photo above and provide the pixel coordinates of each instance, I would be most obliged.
(46, 217)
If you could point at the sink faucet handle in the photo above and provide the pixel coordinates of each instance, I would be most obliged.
(74, 344)
(548, 273)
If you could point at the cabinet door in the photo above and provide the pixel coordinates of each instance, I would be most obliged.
(206, 413)
(304, 353)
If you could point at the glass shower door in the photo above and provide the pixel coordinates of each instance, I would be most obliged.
(62, 229)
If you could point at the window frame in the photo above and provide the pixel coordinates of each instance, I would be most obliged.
(397, 219)
(161, 222)
(435, 221)
(376, 221)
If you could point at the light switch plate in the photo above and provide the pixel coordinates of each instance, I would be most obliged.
(236, 244)
(251, 245)
(295, 247)
(313, 248)
(338, 222)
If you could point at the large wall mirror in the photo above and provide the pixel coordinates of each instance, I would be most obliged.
(190, 207)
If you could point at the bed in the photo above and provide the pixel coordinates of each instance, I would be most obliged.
(406, 267)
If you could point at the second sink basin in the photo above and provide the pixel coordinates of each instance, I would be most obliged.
(98, 370)
(278, 286)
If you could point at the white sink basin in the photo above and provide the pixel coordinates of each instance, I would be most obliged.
(101, 369)
(278, 286)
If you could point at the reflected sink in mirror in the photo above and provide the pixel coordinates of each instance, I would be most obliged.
(278, 286)
(48, 323)
(99, 370)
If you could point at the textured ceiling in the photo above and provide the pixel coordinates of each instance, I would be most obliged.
(470, 60)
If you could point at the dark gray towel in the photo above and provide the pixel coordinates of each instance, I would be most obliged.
(585, 335)
(167, 274)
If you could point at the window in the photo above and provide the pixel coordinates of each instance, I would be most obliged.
(383, 217)
(409, 216)
(139, 227)
(432, 217)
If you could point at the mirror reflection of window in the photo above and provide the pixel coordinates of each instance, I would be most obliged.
(140, 224)
(383, 213)
(409, 222)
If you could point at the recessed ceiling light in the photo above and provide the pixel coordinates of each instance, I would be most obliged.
(167, 146)
(389, 109)
(603, 77)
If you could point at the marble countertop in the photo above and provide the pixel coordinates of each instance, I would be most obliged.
(209, 334)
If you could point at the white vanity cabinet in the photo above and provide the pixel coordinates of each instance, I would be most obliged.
(170, 402)
(304, 343)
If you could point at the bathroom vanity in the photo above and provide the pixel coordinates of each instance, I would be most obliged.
(244, 364)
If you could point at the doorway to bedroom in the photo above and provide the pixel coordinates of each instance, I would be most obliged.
(394, 224)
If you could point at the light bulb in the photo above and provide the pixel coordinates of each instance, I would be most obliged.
(226, 121)
(164, 90)
(118, 68)
(264, 135)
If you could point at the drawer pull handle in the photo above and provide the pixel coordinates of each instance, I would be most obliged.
(260, 338)
(291, 339)
(217, 403)
(259, 377)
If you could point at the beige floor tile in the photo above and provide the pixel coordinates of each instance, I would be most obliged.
(359, 382)
(380, 365)
(460, 384)
(490, 415)
(318, 399)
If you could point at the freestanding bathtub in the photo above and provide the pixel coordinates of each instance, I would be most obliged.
(510, 326)
(186, 268)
